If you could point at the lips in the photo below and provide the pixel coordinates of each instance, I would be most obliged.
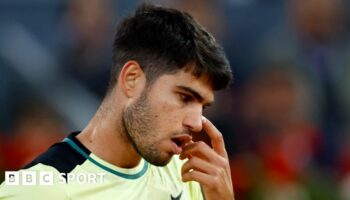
(179, 142)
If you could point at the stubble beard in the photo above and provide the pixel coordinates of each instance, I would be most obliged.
(139, 127)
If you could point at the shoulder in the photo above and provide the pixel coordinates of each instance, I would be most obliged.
(61, 156)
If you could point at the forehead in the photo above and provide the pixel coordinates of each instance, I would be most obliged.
(185, 79)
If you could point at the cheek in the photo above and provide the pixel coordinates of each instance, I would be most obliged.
(167, 115)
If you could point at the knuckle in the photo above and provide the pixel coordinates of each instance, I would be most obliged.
(192, 161)
(224, 162)
(192, 174)
(216, 173)
(214, 183)
(219, 136)
(219, 172)
(222, 172)
(201, 144)
(189, 175)
(210, 185)
(186, 177)
(216, 180)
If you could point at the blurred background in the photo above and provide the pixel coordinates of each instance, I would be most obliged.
(285, 119)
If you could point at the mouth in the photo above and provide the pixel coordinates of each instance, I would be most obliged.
(179, 142)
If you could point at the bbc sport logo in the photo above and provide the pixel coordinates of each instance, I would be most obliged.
(49, 178)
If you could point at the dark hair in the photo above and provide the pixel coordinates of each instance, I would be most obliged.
(163, 41)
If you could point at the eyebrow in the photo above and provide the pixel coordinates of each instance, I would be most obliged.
(194, 93)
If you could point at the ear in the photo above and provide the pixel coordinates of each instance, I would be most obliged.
(131, 79)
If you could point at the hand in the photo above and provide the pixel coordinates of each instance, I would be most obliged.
(209, 166)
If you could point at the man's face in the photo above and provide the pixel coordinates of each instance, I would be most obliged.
(161, 121)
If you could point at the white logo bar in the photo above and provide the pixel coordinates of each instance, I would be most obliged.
(48, 178)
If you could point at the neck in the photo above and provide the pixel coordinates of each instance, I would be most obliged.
(105, 137)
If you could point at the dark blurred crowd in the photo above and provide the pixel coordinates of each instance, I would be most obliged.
(285, 118)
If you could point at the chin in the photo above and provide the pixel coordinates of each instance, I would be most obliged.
(164, 160)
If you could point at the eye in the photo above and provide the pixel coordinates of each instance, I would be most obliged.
(185, 98)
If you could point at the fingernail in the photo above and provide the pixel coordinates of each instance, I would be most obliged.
(204, 119)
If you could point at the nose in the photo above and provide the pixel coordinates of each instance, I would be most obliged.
(193, 120)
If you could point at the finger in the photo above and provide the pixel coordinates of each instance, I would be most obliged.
(216, 137)
(199, 149)
(197, 164)
(200, 177)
